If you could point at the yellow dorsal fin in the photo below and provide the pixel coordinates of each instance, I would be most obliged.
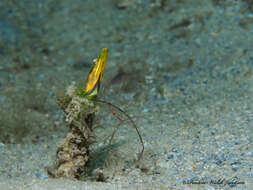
(96, 73)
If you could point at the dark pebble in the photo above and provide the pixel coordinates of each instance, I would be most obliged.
(218, 162)
(215, 159)
(154, 172)
(235, 168)
(236, 162)
(170, 156)
(214, 132)
(174, 150)
(237, 142)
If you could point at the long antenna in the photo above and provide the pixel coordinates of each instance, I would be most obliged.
(130, 119)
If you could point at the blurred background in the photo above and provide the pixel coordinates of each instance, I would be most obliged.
(186, 65)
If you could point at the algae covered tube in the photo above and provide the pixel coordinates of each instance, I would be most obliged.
(73, 153)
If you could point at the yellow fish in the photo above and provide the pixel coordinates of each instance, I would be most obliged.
(96, 73)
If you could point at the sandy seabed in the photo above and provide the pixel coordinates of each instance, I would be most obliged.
(184, 68)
